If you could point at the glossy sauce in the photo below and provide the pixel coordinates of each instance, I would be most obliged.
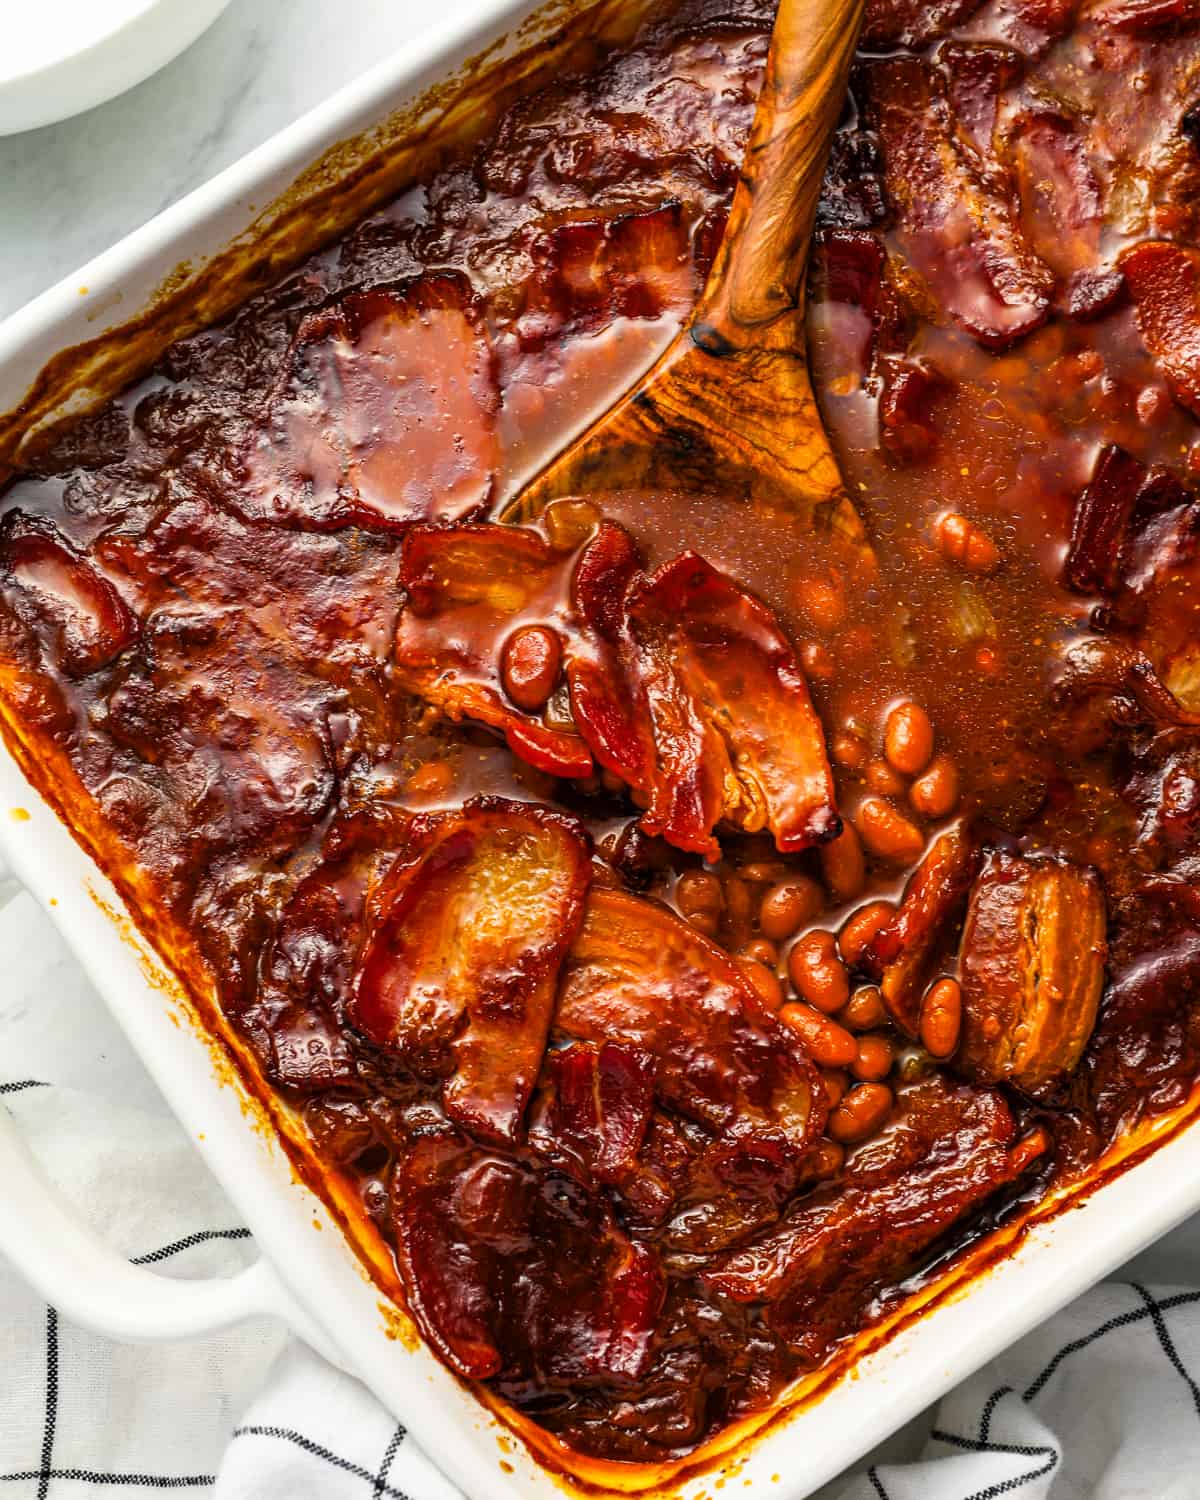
(208, 628)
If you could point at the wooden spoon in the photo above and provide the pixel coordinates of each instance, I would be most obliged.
(729, 405)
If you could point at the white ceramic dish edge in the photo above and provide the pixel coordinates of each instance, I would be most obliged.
(308, 1274)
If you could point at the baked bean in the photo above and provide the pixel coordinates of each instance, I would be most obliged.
(763, 871)
(861, 1113)
(817, 662)
(864, 1010)
(1153, 405)
(830, 1045)
(849, 751)
(530, 666)
(842, 864)
(761, 951)
(816, 971)
(699, 891)
(834, 1083)
(941, 1017)
(963, 542)
(935, 794)
(433, 779)
(826, 1160)
(908, 739)
(875, 1058)
(823, 603)
(788, 905)
(883, 780)
(765, 981)
(860, 927)
(888, 833)
(706, 922)
(569, 522)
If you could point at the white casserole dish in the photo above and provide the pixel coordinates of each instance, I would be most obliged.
(308, 1273)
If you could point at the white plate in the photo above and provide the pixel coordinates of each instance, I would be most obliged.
(63, 56)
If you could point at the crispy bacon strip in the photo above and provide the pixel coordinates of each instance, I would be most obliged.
(1061, 207)
(730, 707)
(638, 974)
(491, 1261)
(958, 231)
(459, 972)
(903, 952)
(596, 1107)
(62, 596)
(385, 414)
(1032, 965)
(950, 1150)
(680, 682)
(1164, 281)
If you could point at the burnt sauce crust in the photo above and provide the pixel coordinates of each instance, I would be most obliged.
(682, 940)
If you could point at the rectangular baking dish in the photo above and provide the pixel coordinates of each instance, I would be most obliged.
(81, 342)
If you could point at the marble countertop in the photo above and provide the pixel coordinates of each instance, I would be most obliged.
(70, 190)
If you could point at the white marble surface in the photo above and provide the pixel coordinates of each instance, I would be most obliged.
(71, 190)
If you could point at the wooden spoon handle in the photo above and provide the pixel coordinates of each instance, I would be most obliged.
(759, 270)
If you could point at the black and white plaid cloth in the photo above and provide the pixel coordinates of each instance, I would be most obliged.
(1101, 1402)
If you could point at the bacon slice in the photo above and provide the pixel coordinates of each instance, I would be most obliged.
(597, 1107)
(62, 596)
(951, 1149)
(589, 272)
(459, 972)
(1032, 967)
(904, 952)
(468, 586)
(1143, 16)
(681, 683)
(492, 1261)
(1102, 514)
(385, 414)
(730, 709)
(957, 229)
(1164, 281)
(1061, 206)
(639, 975)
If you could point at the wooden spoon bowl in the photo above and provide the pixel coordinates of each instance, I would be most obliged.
(729, 406)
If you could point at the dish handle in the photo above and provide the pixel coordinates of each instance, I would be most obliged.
(89, 1283)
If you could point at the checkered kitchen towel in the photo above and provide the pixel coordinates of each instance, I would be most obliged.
(1100, 1403)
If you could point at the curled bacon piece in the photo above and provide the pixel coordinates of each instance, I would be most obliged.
(459, 972)
(589, 272)
(596, 1107)
(384, 415)
(733, 725)
(1103, 667)
(1102, 513)
(491, 1261)
(1061, 207)
(638, 974)
(955, 226)
(1033, 956)
(903, 953)
(62, 596)
(680, 682)
(1164, 281)
(950, 1150)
